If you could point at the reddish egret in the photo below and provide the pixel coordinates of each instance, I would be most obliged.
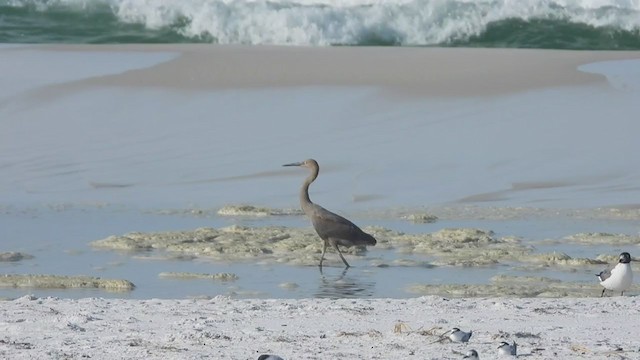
(619, 278)
(333, 229)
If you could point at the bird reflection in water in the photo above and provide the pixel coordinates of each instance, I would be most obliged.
(344, 286)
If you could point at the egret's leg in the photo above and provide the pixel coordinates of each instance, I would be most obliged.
(324, 250)
(335, 245)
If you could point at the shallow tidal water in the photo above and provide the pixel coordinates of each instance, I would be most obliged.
(85, 162)
(60, 240)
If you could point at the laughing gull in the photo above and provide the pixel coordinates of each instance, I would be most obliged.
(471, 355)
(457, 335)
(619, 278)
(505, 349)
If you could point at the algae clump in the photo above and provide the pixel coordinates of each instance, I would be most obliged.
(63, 282)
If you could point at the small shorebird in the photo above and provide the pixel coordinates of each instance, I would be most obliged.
(471, 354)
(457, 335)
(332, 228)
(505, 349)
(619, 278)
(269, 357)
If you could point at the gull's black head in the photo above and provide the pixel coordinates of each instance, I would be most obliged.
(625, 258)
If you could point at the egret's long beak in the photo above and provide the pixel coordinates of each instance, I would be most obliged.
(294, 164)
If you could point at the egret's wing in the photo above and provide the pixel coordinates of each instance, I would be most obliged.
(330, 225)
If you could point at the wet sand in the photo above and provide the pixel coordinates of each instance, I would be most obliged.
(449, 72)
(417, 125)
(317, 329)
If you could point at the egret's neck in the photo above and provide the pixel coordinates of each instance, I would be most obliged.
(305, 201)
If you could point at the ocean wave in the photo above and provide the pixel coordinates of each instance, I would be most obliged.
(525, 23)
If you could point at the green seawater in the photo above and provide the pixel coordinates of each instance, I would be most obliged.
(249, 23)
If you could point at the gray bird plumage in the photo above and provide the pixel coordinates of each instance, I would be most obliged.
(472, 355)
(269, 357)
(332, 228)
(604, 275)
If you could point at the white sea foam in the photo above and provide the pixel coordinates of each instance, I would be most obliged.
(332, 22)
(325, 22)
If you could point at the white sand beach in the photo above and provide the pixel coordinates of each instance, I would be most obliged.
(52, 328)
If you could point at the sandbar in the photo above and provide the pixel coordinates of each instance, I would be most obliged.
(411, 71)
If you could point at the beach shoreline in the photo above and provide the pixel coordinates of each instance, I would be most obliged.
(411, 71)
